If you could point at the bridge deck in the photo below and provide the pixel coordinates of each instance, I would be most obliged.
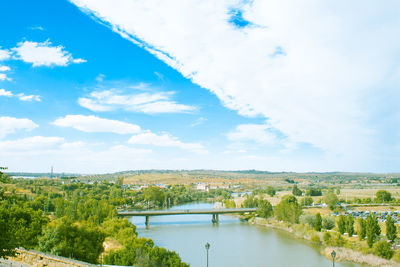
(183, 212)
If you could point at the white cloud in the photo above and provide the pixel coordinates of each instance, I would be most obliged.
(4, 68)
(92, 124)
(3, 77)
(20, 96)
(165, 140)
(4, 54)
(9, 125)
(259, 133)
(44, 54)
(151, 103)
(31, 143)
(5, 93)
(333, 79)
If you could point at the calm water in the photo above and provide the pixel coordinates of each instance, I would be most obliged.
(233, 243)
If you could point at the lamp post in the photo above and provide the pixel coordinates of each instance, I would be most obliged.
(207, 248)
(333, 254)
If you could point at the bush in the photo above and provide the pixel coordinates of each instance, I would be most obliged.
(326, 237)
(328, 223)
(308, 219)
(315, 238)
(382, 249)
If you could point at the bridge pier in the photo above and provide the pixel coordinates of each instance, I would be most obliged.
(147, 222)
(215, 218)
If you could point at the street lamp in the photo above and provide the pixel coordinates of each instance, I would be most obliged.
(333, 254)
(207, 248)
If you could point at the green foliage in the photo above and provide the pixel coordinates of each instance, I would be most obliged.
(350, 225)
(307, 201)
(361, 228)
(318, 222)
(382, 249)
(341, 224)
(331, 200)
(264, 208)
(326, 237)
(328, 223)
(334, 240)
(288, 209)
(82, 242)
(308, 219)
(296, 191)
(372, 230)
(4, 178)
(154, 194)
(314, 192)
(229, 203)
(250, 202)
(391, 230)
(383, 196)
(270, 191)
(19, 227)
(315, 238)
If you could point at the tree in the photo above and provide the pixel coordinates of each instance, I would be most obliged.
(296, 191)
(361, 228)
(307, 201)
(328, 223)
(331, 200)
(83, 242)
(372, 229)
(270, 191)
(318, 222)
(264, 208)
(314, 192)
(19, 227)
(288, 209)
(350, 225)
(383, 196)
(341, 224)
(382, 249)
(391, 230)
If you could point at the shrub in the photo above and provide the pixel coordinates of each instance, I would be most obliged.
(382, 249)
(328, 223)
(315, 238)
(326, 237)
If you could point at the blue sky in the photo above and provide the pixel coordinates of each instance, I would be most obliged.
(99, 86)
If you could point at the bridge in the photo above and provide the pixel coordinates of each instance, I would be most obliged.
(214, 212)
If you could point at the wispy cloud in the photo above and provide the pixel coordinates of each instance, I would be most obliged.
(165, 140)
(144, 102)
(44, 54)
(4, 54)
(20, 96)
(94, 124)
(312, 74)
(9, 125)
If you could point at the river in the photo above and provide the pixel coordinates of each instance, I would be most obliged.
(233, 243)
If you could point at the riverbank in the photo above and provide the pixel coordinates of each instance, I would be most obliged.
(301, 231)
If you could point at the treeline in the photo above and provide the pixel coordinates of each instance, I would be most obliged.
(73, 221)
(370, 236)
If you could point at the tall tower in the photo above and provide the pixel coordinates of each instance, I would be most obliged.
(51, 174)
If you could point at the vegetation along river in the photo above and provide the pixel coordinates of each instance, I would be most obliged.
(233, 243)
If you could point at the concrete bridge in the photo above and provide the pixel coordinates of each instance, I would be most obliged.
(214, 212)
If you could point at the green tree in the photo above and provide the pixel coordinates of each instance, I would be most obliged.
(350, 225)
(341, 224)
(331, 200)
(307, 201)
(391, 230)
(296, 191)
(318, 222)
(328, 223)
(383, 196)
(361, 228)
(83, 242)
(382, 249)
(288, 209)
(270, 191)
(264, 208)
(372, 230)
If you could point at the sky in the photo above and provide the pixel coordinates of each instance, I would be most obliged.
(97, 86)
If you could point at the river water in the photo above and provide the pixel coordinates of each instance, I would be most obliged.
(233, 243)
